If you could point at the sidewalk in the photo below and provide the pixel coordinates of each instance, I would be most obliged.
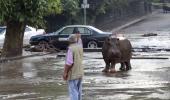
(129, 24)
(133, 22)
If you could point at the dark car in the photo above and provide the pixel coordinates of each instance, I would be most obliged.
(91, 37)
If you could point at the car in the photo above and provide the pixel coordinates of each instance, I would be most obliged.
(29, 32)
(91, 37)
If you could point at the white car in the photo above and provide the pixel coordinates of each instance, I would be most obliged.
(29, 32)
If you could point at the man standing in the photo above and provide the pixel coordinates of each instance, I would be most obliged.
(73, 70)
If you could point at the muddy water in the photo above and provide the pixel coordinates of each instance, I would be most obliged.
(35, 78)
(149, 79)
(40, 78)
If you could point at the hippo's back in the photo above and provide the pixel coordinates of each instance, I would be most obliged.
(125, 49)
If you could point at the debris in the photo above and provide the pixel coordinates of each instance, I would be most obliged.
(149, 34)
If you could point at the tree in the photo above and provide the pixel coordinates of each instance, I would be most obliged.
(16, 14)
(71, 9)
(71, 14)
(99, 7)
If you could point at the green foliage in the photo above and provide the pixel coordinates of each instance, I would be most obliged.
(71, 10)
(27, 11)
(71, 6)
(54, 7)
(101, 6)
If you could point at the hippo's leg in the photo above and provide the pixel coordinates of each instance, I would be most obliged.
(128, 65)
(106, 69)
(112, 69)
(122, 68)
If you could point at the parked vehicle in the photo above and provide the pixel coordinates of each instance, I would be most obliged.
(29, 32)
(91, 37)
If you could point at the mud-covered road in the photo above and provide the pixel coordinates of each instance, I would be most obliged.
(40, 78)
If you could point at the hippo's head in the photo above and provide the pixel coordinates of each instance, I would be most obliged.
(112, 41)
(111, 46)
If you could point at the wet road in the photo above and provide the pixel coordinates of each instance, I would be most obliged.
(40, 78)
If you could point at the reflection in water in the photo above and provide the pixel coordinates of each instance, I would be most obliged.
(11, 70)
(32, 78)
(160, 94)
(29, 70)
(7, 97)
(18, 69)
(118, 74)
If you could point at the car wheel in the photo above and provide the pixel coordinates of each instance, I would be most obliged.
(43, 45)
(92, 44)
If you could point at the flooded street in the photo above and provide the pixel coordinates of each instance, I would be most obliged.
(40, 78)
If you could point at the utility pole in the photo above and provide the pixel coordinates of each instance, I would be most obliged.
(84, 5)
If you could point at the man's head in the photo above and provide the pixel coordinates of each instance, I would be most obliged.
(76, 32)
(72, 38)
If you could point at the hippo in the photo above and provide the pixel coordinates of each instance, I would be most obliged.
(116, 50)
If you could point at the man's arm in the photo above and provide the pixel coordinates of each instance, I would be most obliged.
(67, 68)
(68, 64)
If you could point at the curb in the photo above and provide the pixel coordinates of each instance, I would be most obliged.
(21, 57)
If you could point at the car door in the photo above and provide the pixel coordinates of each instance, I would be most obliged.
(63, 37)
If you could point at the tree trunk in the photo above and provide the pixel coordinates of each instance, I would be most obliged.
(13, 39)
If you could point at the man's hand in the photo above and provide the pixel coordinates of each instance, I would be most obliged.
(65, 76)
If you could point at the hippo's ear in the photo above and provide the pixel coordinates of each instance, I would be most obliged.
(107, 40)
(118, 39)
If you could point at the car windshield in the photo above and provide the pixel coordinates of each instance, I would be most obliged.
(95, 29)
(57, 32)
